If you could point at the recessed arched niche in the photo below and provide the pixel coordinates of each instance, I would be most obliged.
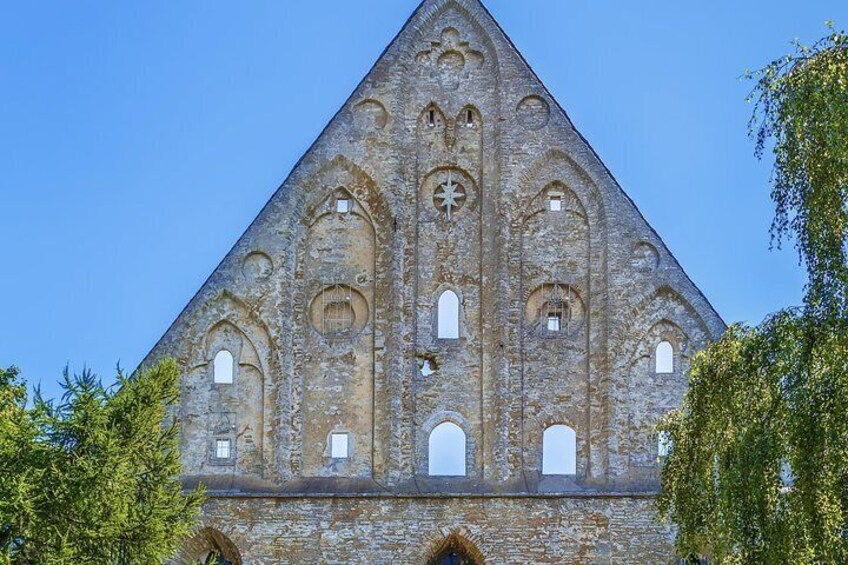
(451, 58)
(370, 116)
(339, 312)
(645, 257)
(257, 266)
(555, 310)
(656, 385)
(446, 195)
(533, 112)
(339, 267)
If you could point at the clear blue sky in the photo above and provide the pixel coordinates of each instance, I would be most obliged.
(138, 141)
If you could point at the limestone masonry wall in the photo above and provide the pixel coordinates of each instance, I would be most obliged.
(449, 257)
(495, 531)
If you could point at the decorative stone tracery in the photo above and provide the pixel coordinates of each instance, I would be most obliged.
(450, 58)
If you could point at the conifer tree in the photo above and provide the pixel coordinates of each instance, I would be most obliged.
(94, 477)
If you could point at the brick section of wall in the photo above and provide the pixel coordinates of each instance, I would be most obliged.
(562, 530)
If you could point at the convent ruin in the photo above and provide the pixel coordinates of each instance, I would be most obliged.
(446, 339)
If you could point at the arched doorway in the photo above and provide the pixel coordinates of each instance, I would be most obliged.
(215, 557)
(455, 549)
(452, 557)
(208, 546)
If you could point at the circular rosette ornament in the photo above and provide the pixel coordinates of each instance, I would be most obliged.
(449, 196)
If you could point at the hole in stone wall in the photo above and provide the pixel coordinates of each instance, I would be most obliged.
(469, 118)
(342, 205)
(427, 367)
(431, 118)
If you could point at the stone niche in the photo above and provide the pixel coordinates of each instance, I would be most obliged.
(337, 363)
(232, 411)
(555, 259)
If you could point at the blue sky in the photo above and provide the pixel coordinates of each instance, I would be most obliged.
(139, 140)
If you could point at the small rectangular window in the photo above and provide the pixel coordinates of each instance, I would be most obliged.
(556, 204)
(342, 205)
(222, 449)
(553, 323)
(431, 118)
(339, 446)
(469, 118)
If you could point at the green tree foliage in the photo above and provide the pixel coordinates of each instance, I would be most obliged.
(759, 470)
(93, 478)
(801, 110)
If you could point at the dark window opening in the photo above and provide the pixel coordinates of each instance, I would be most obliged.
(215, 558)
(452, 557)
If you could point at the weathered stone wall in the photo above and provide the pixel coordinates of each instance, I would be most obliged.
(410, 531)
(328, 304)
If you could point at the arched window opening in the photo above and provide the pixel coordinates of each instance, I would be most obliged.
(665, 357)
(223, 367)
(448, 315)
(559, 451)
(446, 451)
(469, 118)
(664, 445)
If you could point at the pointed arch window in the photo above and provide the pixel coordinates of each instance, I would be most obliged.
(448, 315)
(446, 451)
(223, 368)
(665, 357)
(559, 451)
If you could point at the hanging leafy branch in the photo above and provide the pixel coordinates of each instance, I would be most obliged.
(801, 112)
(759, 470)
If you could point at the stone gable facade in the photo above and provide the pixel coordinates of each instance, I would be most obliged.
(450, 259)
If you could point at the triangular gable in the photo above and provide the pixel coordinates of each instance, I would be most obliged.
(412, 40)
